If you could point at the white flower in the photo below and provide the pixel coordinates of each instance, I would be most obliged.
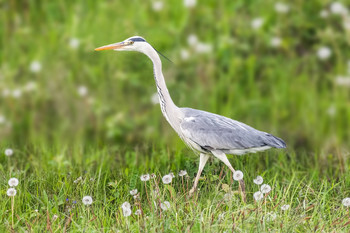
(185, 55)
(13, 182)
(11, 192)
(2, 119)
(145, 177)
(238, 175)
(338, 8)
(167, 179)
(54, 217)
(285, 207)
(203, 48)
(342, 81)
(258, 195)
(275, 42)
(257, 23)
(155, 98)
(16, 93)
(324, 13)
(74, 43)
(281, 7)
(87, 200)
(157, 5)
(192, 40)
(346, 23)
(127, 212)
(35, 66)
(8, 152)
(346, 202)
(126, 205)
(258, 180)
(324, 52)
(82, 90)
(270, 216)
(265, 188)
(138, 212)
(36, 210)
(172, 174)
(165, 205)
(182, 173)
(133, 192)
(190, 3)
(78, 179)
(30, 86)
(331, 110)
(153, 176)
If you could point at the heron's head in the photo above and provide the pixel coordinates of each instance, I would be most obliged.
(135, 43)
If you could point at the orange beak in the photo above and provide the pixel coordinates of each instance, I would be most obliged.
(111, 46)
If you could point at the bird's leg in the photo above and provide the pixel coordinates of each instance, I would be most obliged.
(202, 161)
(222, 156)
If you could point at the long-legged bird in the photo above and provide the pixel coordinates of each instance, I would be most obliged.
(206, 133)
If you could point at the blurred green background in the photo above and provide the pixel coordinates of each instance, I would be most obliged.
(281, 70)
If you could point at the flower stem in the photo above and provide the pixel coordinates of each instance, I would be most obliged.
(12, 207)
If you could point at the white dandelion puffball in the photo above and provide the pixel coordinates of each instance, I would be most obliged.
(202, 48)
(153, 176)
(346, 23)
(342, 81)
(82, 90)
(2, 119)
(127, 212)
(338, 9)
(172, 174)
(133, 192)
(281, 8)
(13, 182)
(258, 195)
(35, 67)
(258, 180)
(165, 205)
(126, 205)
(190, 3)
(54, 217)
(182, 172)
(346, 202)
(8, 152)
(192, 40)
(30, 86)
(324, 14)
(87, 200)
(145, 177)
(275, 42)
(265, 188)
(324, 53)
(11, 192)
(16, 93)
(185, 55)
(74, 43)
(257, 23)
(155, 98)
(270, 216)
(285, 207)
(238, 175)
(138, 212)
(167, 179)
(157, 5)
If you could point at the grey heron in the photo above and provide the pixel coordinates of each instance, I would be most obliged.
(206, 133)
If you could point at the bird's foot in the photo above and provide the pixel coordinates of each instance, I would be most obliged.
(192, 191)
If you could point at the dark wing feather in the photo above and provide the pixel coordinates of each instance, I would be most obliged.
(213, 131)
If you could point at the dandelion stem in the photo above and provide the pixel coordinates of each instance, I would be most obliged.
(12, 207)
(148, 197)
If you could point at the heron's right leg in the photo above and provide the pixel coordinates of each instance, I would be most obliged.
(222, 156)
(202, 161)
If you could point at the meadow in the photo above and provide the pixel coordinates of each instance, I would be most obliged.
(75, 123)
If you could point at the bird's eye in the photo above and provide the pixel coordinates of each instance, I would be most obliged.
(131, 42)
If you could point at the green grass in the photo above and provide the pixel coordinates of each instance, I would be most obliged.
(114, 134)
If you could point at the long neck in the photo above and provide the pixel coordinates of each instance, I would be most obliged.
(169, 109)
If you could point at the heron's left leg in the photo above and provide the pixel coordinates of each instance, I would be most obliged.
(222, 156)
(202, 161)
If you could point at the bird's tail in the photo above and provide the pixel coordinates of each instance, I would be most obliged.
(275, 141)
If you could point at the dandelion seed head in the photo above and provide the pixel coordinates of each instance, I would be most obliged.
(54, 217)
(285, 207)
(126, 205)
(30, 86)
(190, 3)
(167, 179)
(127, 212)
(275, 42)
(87, 200)
(138, 212)
(192, 40)
(346, 202)
(165, 205)
(184, 54)
(265, 188)
(324, 14)
(145, 177)
(13, 182)
(155, 98)
(172, 174)
(258, 195)
(74, 43)
(338, 8)
(133, 192)
(238, 175)
(153, 176)
(8, 152)
(2, 119)
(11, 192)
(202, 48)
(35, 67)
(324, 53)
(182, 172)
(342, 81)
(16, 93)
(281, 7)
(270, 216)
(82, 91)
(258, 180)
(157, 5)
(257, 23)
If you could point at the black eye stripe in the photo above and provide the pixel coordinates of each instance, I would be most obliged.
(137, 39)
